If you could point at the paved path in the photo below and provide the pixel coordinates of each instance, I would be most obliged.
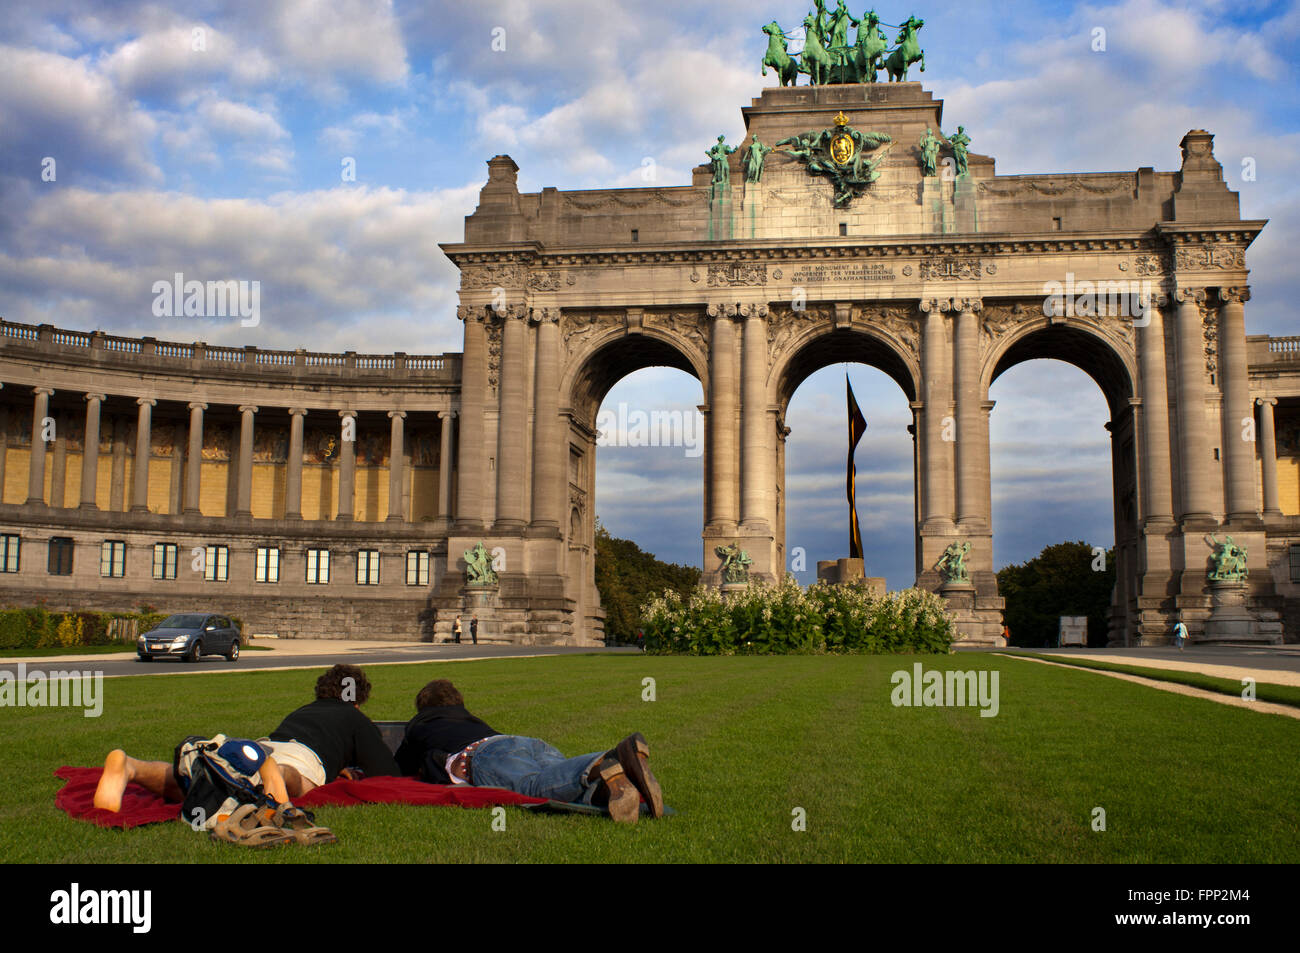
(299, 653)
(1276, 664)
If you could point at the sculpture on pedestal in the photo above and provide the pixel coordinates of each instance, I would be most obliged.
(478, 567)
(735, 564)
(952, 564)
(1229, 560)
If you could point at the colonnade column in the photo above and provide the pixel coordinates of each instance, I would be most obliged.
(1193, 431)
(474, 383)
(1268, 456)
(550, 449)
(722, 422)
(347, 464)
(446, 420)
(1157, 476)
(293, 466)
(972, 462)
(937, 395)
(755, 425)
(143, 447)
(244, 490)
(36, 470)
(194, 459)
(1239, 453)
(90, 452)
(395, 469)
(512, 424)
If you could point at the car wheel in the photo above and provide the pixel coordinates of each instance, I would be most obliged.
(195, 652)
(143, 658)
(233, 654)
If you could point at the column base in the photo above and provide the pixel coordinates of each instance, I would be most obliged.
(293, 516)
(467, 527)
(136, 508)
(510, 527)
(542, 529)
(442, 524)
(88, 506)
(395, 518)
(192, 511)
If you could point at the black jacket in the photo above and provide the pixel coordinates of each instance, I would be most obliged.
(340, 735)
(434, 735)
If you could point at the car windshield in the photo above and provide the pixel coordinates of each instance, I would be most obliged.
(181, 622)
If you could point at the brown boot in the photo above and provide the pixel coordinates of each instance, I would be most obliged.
(615, 792)
(634, 756)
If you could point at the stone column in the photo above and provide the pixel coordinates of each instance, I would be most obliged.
(293, 466)
(722, 422)
(937, 395)
(59, 462)
(143, 445)
(755, 425)
(36, 471)
(550, 449)
(446, 420)
(474, 384)
(1193, 432)
(972, 454)
(1157, 478)
(347, 465)
(1268, 456)
(117, 479)
(244, 492)
(986, 476)
(194, 459)
(512, 424)
(395, 472)
(4, 445)
(1234, 379)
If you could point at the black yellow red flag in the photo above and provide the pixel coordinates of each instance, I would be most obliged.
(857, 427)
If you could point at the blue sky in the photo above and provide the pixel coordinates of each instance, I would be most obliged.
(225, 160)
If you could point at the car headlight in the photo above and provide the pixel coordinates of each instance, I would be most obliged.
(181, 641)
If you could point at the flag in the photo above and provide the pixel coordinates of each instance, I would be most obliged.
(857, 427)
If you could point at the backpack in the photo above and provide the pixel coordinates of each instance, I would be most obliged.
(217, 775)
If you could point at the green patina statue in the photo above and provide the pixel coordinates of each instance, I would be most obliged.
(930, 144)
(478, 567)
(958, 142)
(952, 564)
(735, 563)
(1229, 560)
(840, 154)
(828, 55)
(721, 168)
(754, 157)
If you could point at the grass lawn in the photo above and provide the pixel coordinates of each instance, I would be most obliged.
(1264, 691)
(737, 744)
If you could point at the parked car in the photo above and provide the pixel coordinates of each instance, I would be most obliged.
(190, 635)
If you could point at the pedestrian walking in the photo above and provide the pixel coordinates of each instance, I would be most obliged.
(1180, 634)
(455, 630)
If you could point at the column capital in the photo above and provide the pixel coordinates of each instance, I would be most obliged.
(197, 405)
(1185, 295)
(297, 411)
(446, 415)
(723, 309)
(754, 310)
(1237, 295)
(143, 401)
(47, 391)
(247, 409)
(932, 305)
(345, 414)
(1261, 401)
(90, 397)
(470, 312)
(510, 312)
(397, 413)
(968, 305)
(544, 315)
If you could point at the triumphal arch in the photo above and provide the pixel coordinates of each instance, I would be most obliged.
(848, 225)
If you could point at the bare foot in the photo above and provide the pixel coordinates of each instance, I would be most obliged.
(108, 795)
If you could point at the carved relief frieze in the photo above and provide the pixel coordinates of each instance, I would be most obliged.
(544, 281)
(900, 322)
(736, 274)
(786, 322)
(579, 326)
(950, 268)
(684, 324)
(1207, 257)
(492, 275)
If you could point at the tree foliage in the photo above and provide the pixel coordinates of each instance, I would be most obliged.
(1058, 581)
(627, 577)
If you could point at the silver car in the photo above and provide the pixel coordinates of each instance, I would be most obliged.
(190, 636)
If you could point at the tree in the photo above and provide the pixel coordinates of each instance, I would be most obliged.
(627, 577)
(1058, 581)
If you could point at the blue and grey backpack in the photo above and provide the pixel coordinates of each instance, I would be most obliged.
(217, 775)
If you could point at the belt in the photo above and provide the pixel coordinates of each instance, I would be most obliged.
(464, 758)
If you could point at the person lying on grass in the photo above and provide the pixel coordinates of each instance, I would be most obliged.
(445, 744)
(311, 747)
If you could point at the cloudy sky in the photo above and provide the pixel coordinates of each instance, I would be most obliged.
(211, 138)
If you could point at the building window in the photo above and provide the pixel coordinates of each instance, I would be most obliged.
(1295, 563)
(60, 556)
(268, 565)
(417, 568)
(318, 566)
(368, 567)
(9, 547)
(164, 560)
(216, 564)
(112, 558)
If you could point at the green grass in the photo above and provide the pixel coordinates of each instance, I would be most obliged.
(1264, 691)
(737, 744)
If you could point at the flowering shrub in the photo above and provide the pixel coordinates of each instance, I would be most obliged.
(785, 619)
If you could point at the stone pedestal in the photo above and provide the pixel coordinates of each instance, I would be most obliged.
(730, 589)
(1230, 619)
(970, 621)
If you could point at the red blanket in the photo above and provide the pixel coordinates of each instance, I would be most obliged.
(139, 806)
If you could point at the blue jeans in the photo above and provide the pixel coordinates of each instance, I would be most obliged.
(532, 767)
